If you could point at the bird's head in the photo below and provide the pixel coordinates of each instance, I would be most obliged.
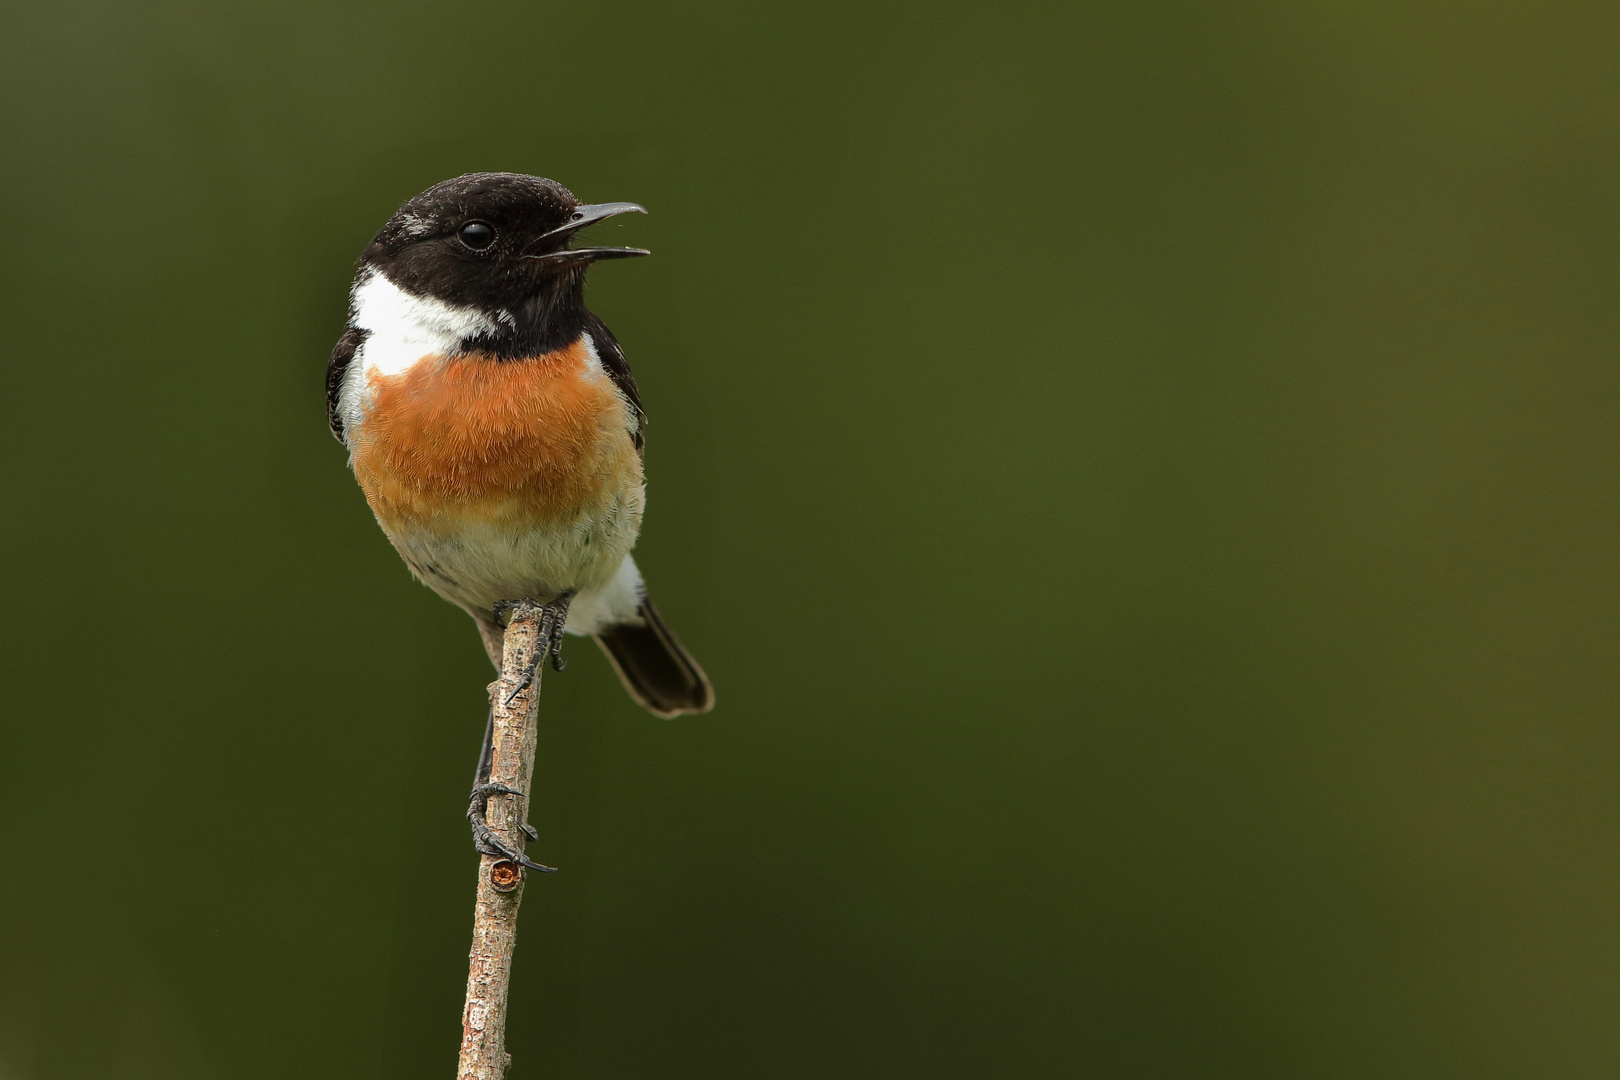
(497, 242)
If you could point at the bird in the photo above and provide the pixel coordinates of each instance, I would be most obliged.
(496, 431)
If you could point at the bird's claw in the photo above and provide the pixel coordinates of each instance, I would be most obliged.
(553, 618)
(484, 837)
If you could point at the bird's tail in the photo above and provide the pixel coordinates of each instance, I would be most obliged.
(655, 667)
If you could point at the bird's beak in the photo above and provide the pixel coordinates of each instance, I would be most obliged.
(587, 214)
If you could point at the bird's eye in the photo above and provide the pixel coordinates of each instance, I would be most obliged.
(478, 235)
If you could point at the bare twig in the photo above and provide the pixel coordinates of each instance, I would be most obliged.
(500, 880)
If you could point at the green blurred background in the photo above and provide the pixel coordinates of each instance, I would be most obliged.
(1143, 477)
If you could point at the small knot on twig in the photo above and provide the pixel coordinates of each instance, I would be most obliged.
(504, 875)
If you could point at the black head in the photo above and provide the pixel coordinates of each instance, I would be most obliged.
(498, 242)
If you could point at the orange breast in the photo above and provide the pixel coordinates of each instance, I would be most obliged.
(535, 441)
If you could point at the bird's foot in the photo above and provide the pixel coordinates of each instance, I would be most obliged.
(553, 617)
(484, 838)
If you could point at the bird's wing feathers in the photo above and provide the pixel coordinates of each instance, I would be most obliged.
(342, 355)
(618, 369)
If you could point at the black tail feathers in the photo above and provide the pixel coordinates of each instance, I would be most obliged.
(655, 667)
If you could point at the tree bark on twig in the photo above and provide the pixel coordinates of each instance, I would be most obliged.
(500, 880)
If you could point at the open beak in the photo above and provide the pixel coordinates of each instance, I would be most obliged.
(587, 214)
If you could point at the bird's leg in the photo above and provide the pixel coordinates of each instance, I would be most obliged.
(486, 755)
(553, 617)
(484, 839)
(486, 764)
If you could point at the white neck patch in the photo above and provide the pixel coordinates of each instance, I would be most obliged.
(404, 328)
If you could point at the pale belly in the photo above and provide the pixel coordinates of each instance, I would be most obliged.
(476, 561)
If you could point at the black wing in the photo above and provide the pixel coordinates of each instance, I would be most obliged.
(618, 369)
(342, 356)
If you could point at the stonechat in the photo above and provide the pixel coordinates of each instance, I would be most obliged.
(494, 425)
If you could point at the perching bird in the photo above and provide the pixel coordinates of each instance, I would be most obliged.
(495, 428)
